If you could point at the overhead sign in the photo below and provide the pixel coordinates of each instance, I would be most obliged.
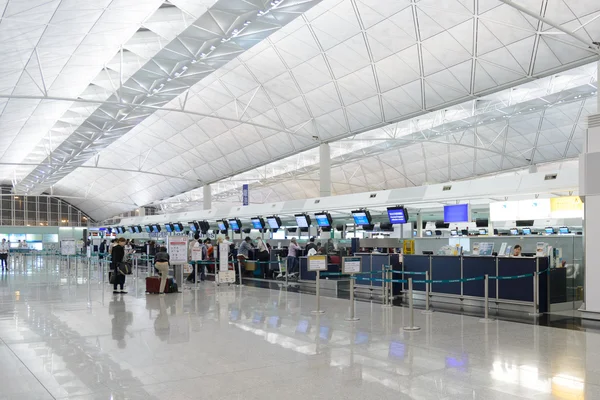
(317, 263)
(520, 210)
(503, 211)
(566, 207)
(457, 213)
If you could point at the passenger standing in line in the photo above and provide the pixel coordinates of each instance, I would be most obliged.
(102, 249)
(118, 257)
(292, 257)
(4, 251)
(329, 247)
(113, 243)
(311, 246)
(162, 265)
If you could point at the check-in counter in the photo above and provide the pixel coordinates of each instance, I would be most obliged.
(517, 292)
(335, 283)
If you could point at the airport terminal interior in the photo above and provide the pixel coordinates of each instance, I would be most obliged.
(299, 199)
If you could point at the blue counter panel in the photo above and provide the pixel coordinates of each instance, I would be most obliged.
(366, 267)
(445, 267)
(415, 263)
(377, 263)
(475, 267)
(516, 289)
(305, 274)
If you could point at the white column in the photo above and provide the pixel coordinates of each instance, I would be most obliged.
(589, 190)
(419, 225)
(207, 197)
(325, 169)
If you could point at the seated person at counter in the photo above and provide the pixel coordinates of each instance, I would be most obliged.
(516, 251)
(329, 247)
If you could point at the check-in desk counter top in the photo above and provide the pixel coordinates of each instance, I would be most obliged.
(517, 291)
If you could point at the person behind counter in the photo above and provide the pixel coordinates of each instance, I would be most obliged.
(517, 251)
(311, 246)
(329, 247)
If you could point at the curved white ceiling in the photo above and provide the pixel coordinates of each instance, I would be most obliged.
(342, 68)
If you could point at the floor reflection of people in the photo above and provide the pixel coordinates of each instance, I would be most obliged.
(162, 328)
(120, 321)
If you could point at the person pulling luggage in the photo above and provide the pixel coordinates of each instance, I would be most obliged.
(162, 265)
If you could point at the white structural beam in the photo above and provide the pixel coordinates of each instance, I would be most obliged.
(589, 190)
(207, 197)
(325, 169)
(593, 46)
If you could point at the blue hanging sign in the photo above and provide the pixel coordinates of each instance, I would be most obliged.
(245, 195)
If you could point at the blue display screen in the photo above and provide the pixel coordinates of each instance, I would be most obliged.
(322, 219)
(324, 333)
(168, 228)
(456, 213)
(177, 227)
(397, 215)
(273, 321)
(155, 228)
(301, 221)
(563, 230)
(234, 225)
(273, 223)
(360, 218)
(193, 228)
(256, 224)
(234, 314)
(221, 225)
(148, 228)
(258, 318)
(549, 231)
(526, 231)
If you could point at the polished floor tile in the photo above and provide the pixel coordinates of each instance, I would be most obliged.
(63, 337)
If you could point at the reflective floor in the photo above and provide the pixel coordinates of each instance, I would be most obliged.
(62, 337)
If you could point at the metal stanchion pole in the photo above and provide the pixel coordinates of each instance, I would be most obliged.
(427, 289)
(197, 277)
(486, 290)
(412, 326)
(352, 311)
(240, 272)
(383, 288)
(318, 310)
(535, 312)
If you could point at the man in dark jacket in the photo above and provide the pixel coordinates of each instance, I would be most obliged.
(118, 257)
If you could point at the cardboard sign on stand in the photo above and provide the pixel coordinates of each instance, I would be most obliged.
(68, 247)
(225, 275)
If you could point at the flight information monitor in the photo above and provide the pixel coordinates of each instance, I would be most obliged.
(235, 224)
(361, 217)
(323, 219)
(457, 213)
(274, 222)
(397, 215)
(178, 227)
(302, 220)
(222, 225)
(258, 223)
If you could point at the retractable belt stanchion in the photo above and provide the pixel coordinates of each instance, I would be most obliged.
(318, 310)
(427, 289)
(536, 288)
(197, 277)
(352, 311)
(412, 326)
(486, 300)
(239, 263)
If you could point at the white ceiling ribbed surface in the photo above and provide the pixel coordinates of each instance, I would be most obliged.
(342, 68)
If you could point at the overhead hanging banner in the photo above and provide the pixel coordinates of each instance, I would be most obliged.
(245, 194)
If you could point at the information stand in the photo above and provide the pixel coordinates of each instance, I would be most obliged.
(318, 264)
(196, 258)
(178, 256)
(351, 266)
(68, 248)
(224, 275)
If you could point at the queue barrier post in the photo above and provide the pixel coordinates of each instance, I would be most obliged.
(486, 290)
(352, 305)
(427, 289)
(239, 263)
(536, 281)
(196, 276)
(318, 310)
(412, 326)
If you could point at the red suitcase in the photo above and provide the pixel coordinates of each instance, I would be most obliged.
(153, 285)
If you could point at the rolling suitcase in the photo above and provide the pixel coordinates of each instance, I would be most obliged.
(153, 285)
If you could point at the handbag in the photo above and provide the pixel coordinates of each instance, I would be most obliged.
(112, 278)
(124, 268)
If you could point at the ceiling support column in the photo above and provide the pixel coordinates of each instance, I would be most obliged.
(589, 190)
(419, 225)
(325, 169)
(207, 197)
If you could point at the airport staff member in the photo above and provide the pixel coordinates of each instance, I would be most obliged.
(517, 251)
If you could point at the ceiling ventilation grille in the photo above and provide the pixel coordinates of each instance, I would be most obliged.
(447, 187)
(593, 121)
(550, 177)
(373, 195)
